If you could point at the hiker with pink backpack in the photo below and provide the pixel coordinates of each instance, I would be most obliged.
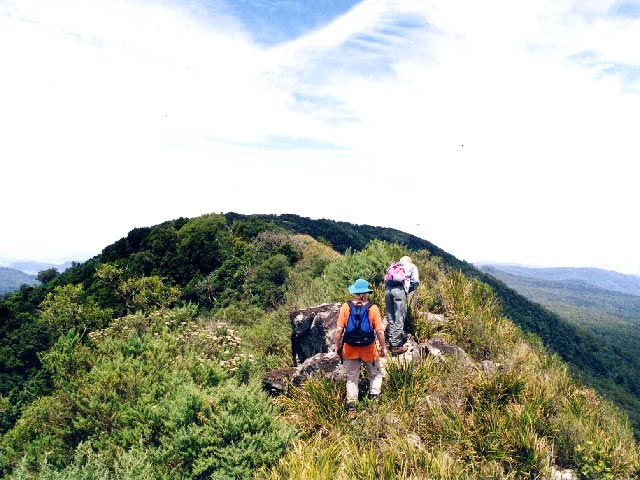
(401, 279)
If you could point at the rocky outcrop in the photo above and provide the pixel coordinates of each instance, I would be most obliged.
(313, 349)
(329, 365)
(312, 331)
(325, 364)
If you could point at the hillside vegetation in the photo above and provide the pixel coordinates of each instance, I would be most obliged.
(612, 316)
(145, 362)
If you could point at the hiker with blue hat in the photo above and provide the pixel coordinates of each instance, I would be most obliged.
(359, 325)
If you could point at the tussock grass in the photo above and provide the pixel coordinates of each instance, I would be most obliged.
(447, 419)
(323, 405)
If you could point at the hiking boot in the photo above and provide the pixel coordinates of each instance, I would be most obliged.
(399, 350)
(352, 413)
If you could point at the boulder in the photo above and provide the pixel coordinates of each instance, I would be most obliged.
(439, 348)
(326, 364)
(276, 381)
(312, 331)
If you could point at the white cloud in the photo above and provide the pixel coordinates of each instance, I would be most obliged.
(510, 125)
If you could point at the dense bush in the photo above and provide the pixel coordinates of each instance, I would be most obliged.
(158, 384)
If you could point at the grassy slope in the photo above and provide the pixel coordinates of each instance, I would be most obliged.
(611, 316)
(599, 362)
(450, 419)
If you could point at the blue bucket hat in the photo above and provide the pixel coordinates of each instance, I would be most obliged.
(359, 286)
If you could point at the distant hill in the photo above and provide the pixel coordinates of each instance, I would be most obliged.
(12, 279)
(606, 279)
(33, 268)
(595, 308)
(569, 296)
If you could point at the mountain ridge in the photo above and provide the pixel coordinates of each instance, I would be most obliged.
(12, 279)
(97, 347)
(33, 267)
(602, 278)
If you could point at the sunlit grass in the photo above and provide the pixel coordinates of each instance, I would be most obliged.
(446, 419)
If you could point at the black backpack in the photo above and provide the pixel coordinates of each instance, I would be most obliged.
(359, 331)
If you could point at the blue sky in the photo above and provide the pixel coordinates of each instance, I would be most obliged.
(511, 127)
(270, 22)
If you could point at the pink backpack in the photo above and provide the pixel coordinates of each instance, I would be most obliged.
(395, 273)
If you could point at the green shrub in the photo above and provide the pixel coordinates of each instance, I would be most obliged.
(154, 385)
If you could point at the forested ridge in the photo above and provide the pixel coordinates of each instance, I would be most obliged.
(146, 360)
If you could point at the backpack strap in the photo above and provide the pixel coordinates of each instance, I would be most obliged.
(367, 307)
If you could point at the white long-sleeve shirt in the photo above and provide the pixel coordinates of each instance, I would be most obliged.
(412, 275)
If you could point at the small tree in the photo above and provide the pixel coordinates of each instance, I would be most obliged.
(266, 285)
(148, 293)
(46, 276)
(67, 307)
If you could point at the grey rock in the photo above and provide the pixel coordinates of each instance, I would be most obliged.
(312, 331)
(439, 349)
(277, 381)
(559, 474)
(437, 318)
(326, 364)
(313, 349)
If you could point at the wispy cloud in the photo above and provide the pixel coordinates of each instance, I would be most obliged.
(508, 118)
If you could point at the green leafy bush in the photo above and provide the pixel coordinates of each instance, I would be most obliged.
(159, 383)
